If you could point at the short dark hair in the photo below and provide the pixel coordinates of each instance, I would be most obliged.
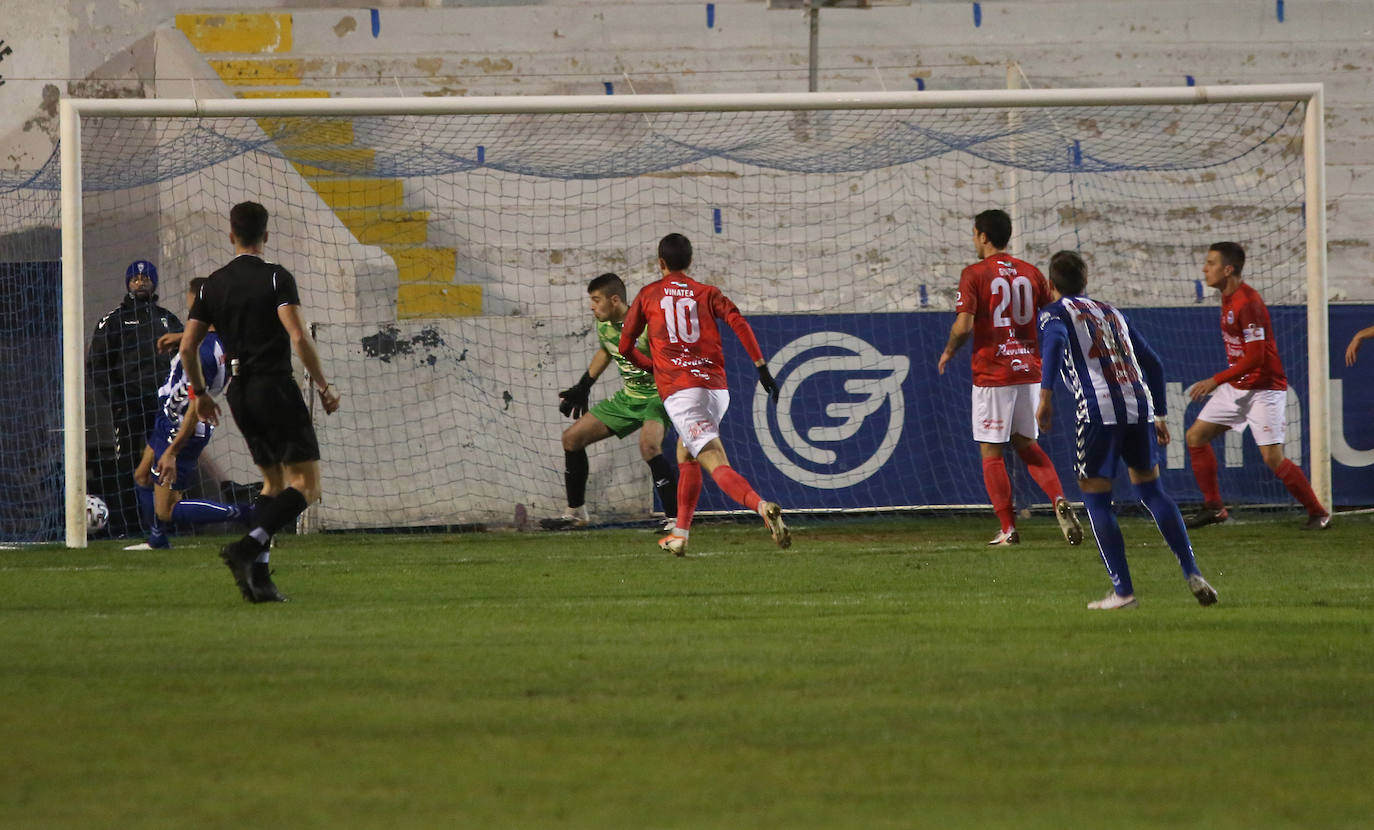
(608, 283)
(996, 224)
(1231, 254)
(248, 221)
(676, 252)
(197, 284)
(1068, 273)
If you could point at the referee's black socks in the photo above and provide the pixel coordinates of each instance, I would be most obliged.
(279, 511)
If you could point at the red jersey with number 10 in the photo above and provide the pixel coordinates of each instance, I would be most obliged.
(681, 316)
(1004, 294)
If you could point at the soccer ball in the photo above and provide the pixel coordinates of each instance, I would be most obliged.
(97, 514)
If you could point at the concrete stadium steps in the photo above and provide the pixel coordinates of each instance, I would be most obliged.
(245, 50)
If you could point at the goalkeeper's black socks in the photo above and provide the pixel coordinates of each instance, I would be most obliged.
(665, 484)
(575, 470)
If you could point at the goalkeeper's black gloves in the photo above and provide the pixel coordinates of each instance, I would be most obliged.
(573, 400)
(766, 381)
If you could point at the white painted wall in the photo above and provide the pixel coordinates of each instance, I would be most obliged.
(577, 46)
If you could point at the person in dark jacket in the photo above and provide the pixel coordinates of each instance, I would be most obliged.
(126, 368)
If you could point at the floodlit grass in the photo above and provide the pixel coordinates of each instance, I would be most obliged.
(882, 673)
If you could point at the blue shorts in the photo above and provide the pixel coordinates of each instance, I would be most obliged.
(189, 457)
(1101, 447)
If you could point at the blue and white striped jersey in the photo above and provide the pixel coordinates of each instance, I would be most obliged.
(1114, 375)
(174, 396)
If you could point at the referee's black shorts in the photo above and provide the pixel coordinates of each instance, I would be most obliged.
(273, 418)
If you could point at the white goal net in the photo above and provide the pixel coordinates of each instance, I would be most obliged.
(443, 248)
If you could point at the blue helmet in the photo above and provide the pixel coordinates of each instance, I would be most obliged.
(141, 266)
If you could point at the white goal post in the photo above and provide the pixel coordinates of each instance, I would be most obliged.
(74, 112)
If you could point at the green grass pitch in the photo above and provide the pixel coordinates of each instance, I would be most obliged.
(881, 673)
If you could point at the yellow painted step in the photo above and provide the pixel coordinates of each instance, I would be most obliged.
(339, 192)
(260, 71)
(245, 34)
(321, 162)
(386, 226)
(418, 300)
(296, 131)
(424, 264)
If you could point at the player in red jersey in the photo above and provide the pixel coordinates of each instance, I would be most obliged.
(1251, 392)
(997, 304)
(689, 369)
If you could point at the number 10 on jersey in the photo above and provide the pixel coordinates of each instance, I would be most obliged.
(680, 316)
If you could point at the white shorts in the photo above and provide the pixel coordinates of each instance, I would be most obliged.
(999, 411)
(696, 415)
(1264, 411)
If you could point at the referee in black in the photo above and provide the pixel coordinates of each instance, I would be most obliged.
(255, 307)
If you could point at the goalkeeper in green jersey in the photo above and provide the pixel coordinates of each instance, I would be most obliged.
(636, 406)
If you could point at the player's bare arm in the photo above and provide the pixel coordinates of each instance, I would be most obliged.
(169, 342)
(959, 333)
(1044, 412)
(167, 464)
(1202, 389)
(304, 346)
(204, 406)
(1353, 349)
(1162, 431)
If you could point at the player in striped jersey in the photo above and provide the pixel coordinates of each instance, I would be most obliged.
(1116, 380)
(174, 446)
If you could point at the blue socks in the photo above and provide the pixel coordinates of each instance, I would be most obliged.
(1170, 522)
(1109, 541)
(144, 495)
(194, 511)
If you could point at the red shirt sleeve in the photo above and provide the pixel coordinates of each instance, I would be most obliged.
(724, 308)
(629, 335)
(966, 301)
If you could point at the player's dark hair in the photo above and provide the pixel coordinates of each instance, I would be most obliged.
(996, 225)
(676, 252)
(1068, 273)
(248, 221)
(196, 284)
(609, 284)
(1231, 254)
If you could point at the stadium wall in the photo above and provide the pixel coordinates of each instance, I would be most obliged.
(576, 46)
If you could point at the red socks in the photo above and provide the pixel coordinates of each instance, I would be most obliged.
(1205, 471)
(1042, 470)
(999, 490)
(733, 485)
(1292, 477)
(688, 491)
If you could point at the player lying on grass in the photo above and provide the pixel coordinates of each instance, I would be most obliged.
(635, 406)
(172, 454)
(1116, 380)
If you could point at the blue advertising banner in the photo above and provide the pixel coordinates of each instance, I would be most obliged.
(864, 419)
